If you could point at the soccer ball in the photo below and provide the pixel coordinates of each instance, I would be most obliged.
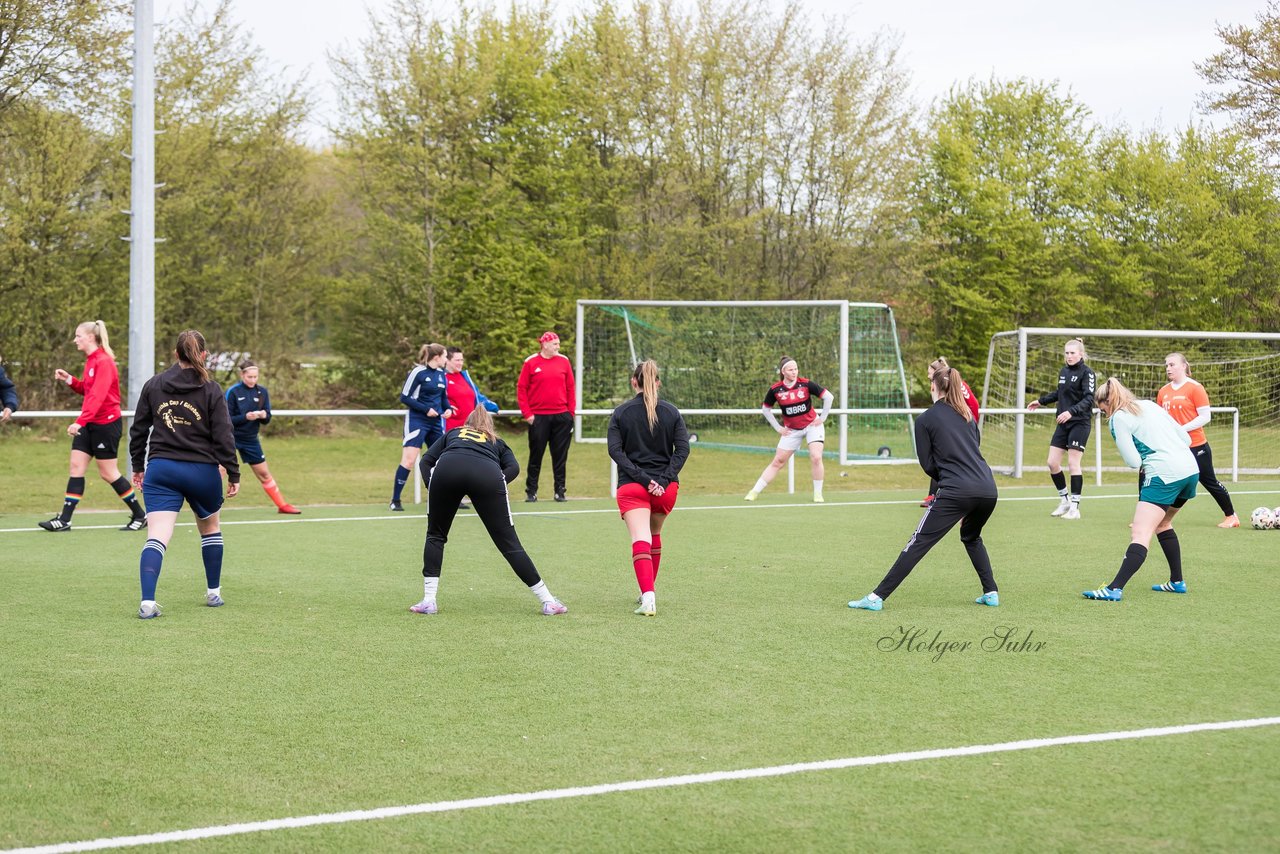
(1262, 518)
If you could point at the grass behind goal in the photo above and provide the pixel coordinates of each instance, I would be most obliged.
(314, 690)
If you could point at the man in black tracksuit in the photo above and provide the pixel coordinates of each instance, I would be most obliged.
(947, 447)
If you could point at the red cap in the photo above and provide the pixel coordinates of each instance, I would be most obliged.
(548, 336)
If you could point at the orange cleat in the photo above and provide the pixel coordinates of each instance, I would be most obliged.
(1232, 521)
(290, 509)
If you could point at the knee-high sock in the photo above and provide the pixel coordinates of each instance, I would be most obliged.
(128, 495)
(1172, 552)
(1059, 482)
(211, 551)
(642, 562)
(149, 568)
(75, 491)
(1133, 558)
(273, 492)
(655, 551)
(402, 477)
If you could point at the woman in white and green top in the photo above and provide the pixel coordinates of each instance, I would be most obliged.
(1149, 439)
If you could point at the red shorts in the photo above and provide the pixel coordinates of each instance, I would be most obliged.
(633, 496)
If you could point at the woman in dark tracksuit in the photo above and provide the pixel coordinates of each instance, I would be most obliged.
(472, 461)
(947, 446)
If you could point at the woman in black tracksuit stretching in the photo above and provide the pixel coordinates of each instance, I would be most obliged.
(472, 461)
(947, 447)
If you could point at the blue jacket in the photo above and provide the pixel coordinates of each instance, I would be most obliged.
(242, 400)
(424, 389)
(8, 392)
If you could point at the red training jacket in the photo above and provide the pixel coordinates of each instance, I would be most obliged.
(101, 389)
(546, 386)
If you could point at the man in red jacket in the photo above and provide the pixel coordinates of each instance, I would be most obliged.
(545, 393)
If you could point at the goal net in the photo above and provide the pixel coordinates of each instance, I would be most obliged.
(718, 358)
(1238, 370)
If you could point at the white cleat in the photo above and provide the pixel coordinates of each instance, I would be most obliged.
(1072, 513)
(751, 496)
(818, 499)
(1063, 506)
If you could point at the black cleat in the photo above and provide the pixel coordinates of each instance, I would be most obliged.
(530, 497)
(396, 506)
(560, 497)
(56, 525)
(137, 523)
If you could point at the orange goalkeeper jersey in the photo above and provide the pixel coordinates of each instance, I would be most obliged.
(1182, 404)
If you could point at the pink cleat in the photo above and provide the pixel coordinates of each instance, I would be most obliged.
(554, 607)
(426, 606)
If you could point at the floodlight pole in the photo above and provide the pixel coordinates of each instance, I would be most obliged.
(142, 203)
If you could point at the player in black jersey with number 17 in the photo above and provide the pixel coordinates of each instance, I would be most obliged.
(472, 461)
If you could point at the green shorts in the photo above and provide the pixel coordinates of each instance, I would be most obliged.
(1166, 495)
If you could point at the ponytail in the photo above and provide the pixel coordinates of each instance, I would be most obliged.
(190, 350)
(428, 352)
(645, 377)
(99, 336)
(482, 421)
(1112, 396)
(951, 384)
(1078, 343)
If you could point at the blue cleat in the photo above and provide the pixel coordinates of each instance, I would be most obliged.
(992, 599)
(1171, 587)
(1104, 594)
(213, 600)
(870, 602)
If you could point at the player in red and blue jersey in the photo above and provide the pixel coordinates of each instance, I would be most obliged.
(800, 423)
(424, 393)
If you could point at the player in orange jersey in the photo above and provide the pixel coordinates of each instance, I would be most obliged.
(1188, 403)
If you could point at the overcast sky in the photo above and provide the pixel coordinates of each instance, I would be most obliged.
(1129, 61)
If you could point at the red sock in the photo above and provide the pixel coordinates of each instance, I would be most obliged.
(273, 492)
(656, 551)
(643, 563)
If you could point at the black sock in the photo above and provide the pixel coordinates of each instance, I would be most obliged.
(1172, 553)
(1059, 481)
(125, 490)
(1133, 558)
(75, 491)
(1077, 484)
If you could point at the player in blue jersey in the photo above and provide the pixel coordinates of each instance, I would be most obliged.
(249, 406)
(1149, 439)
(425, 394)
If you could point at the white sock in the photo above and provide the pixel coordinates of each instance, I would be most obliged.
(817, 487)
(1062, 493)
(760, 486)
(429, 587)
(1075, 499)
(540, 590)
(874, 598)
(213, 591)
(146, 602)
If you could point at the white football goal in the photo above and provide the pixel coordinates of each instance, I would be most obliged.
(1239, 370)
(718, 358)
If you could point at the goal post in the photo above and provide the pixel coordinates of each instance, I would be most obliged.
(1239, 370)
(718, 357)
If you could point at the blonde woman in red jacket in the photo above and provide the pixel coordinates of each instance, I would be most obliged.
(96, 433)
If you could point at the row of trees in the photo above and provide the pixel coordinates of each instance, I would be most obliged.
(491, 168)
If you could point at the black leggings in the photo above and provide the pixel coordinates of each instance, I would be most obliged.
(1208, 479)
(556, 430)
(457, 475)
(940, 517)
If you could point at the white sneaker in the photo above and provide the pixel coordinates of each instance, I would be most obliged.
(1063, 506)
(648, 605)
(1073, 512)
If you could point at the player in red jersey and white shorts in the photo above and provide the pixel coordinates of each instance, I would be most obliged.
(649, 443)
(794, 395)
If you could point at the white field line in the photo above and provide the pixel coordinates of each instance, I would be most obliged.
(421, 517)
(629, 786)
